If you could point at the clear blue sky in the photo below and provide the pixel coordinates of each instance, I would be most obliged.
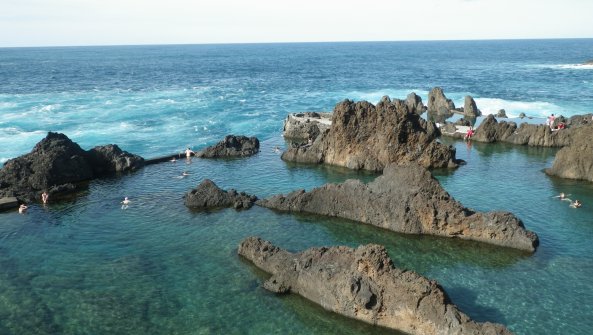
(108, 22)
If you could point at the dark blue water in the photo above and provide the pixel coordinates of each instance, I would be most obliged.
(85, 266)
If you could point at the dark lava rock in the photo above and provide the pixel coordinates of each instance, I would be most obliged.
(414, 103)
(438, 102)
(365, 136)
(57, 164)
(470, 108)
(232, 146)
(109, 159)
(407, 199)
(363, 284)
(303, 126)
(501, 114)
(575, 161)
(208, 195)
(491, 130)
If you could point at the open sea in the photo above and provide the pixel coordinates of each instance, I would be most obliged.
(86, 266)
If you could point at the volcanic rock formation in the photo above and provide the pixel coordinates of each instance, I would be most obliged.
(407, 199)
(363, 284)
(208, 195)
(364, 136)
(56, 164)
(575, 161)
(231, 146)
(303, 126)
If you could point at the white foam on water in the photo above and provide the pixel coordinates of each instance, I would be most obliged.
(566, 66)
(50, 108)
(514, 108)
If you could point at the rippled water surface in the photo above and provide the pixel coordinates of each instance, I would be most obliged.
(84, 265)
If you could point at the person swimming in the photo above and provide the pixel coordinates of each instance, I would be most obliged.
(22, 208)
(125, 203)
(44, 197)
(189, 152)
(562, 196)
(576, 204)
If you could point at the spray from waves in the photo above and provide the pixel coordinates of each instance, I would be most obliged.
(375, 96)
(514, 108)
(566, 66)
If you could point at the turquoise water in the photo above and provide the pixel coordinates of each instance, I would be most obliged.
(86, 266)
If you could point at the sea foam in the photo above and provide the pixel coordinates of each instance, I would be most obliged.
(514, 108)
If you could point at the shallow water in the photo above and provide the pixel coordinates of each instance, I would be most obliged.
(88, 266)
(84, 265)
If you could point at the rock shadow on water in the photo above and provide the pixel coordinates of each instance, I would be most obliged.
(466, 300)
(416, 252)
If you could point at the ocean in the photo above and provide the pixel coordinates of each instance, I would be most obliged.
(85, 266)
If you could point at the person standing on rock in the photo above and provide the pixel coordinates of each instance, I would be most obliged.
(550, 122)
(189, 152)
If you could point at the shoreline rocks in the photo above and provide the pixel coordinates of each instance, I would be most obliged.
(231, 146)
(302, 126)
(363, 284)
(208, 195)
(575, 161)
(438, 103)
(365, 136)
(407, 199)
(57, 164)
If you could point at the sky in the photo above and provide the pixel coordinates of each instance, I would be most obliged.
(127, 22)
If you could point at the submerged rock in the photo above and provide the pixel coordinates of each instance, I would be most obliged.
(363, 284)
(575, 161)
(208, 195)
(407, 199)
(8, 203)
(56, 164)
(365, 136)
(232, 146)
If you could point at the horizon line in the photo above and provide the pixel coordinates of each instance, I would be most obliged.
(293, 42)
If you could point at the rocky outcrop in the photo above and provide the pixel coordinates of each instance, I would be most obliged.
(575, 161)
(365, 136)
(490, 130)
(407, 199)
(470, 108)
(438, 102)
(57, 164)
(207, 195)
(414, 103)
(364, 284)
(501, 114)
(303, 126)
(8, 203)
(110, 159)
(231, 146)
(589, 62)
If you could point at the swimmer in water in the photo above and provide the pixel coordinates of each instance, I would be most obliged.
(189, 152)
(23, 209)
(44, 197)
(125, 203)
(562, 196)
(576, 204)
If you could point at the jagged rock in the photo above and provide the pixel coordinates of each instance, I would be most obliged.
(110, 159)
(579, 120)
(407, 199)
(57, 164)
(589, 62)
(364, 136)
(302, 126)
(364, 284)
(522, 115)
(231, 146)
(414, 103)
(575, 161)
(501, 114)
(491, 130)
(470, 108)
(208, 195)
(438, 102)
